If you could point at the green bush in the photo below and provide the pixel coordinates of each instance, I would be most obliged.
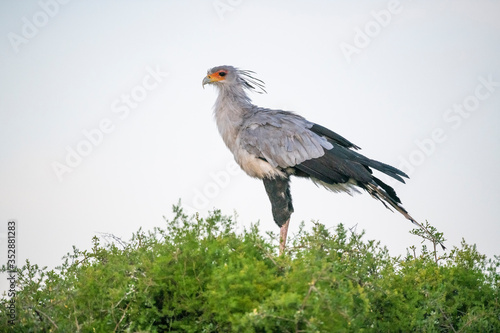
(199, 275)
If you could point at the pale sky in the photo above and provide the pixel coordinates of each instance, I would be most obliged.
(105, 125)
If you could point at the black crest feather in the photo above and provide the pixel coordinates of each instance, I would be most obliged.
(251, 82)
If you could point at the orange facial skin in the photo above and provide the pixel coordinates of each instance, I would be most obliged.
(217, 76)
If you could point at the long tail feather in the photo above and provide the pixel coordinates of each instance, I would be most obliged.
(387, 195)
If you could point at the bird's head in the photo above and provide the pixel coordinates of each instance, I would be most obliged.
(226, 76)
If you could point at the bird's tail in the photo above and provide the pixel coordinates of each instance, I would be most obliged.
(386, 194)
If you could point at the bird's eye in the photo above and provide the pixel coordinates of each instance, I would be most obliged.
(222, 74)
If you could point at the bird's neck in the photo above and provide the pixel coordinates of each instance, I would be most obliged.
(231, 107)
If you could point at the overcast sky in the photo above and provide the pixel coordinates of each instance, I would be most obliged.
(105, 125)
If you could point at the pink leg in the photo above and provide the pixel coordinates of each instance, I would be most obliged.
(283, 235)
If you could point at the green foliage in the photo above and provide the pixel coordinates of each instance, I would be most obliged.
(199, 275)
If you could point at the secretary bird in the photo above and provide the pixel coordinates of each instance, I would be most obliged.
(273, 145)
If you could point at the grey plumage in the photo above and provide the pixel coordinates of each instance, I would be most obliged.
(273, 145)
(282, 138)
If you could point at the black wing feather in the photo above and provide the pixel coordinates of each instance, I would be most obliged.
(334, 168)
(339, 164)
(332, 136)
(342, 149)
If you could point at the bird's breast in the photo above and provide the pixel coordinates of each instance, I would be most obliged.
(228, 119)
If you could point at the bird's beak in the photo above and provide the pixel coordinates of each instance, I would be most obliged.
(206, 80)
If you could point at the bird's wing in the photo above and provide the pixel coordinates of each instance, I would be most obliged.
(282, 138)
(332, 136)
(285, 139)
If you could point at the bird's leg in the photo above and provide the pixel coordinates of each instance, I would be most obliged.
(283, 235)
(278, 190)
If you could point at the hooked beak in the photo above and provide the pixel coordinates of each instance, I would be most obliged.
(206, 80)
